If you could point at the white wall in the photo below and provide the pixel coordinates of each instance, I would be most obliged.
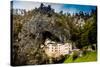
(5, 32)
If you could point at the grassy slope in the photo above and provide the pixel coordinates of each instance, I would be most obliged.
(90, 56)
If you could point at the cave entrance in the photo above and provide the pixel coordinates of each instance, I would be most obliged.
(49, 35)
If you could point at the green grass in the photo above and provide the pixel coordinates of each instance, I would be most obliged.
(69, 59)
(90, 56)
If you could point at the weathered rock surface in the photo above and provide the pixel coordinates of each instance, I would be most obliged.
(33, 33)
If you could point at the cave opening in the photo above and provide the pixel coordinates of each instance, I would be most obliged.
(49, 35)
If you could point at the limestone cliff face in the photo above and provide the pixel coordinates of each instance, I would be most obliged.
(33, 33)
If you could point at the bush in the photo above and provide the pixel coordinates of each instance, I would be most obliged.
(75, 55)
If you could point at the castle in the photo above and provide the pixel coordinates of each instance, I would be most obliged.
(54, 49)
